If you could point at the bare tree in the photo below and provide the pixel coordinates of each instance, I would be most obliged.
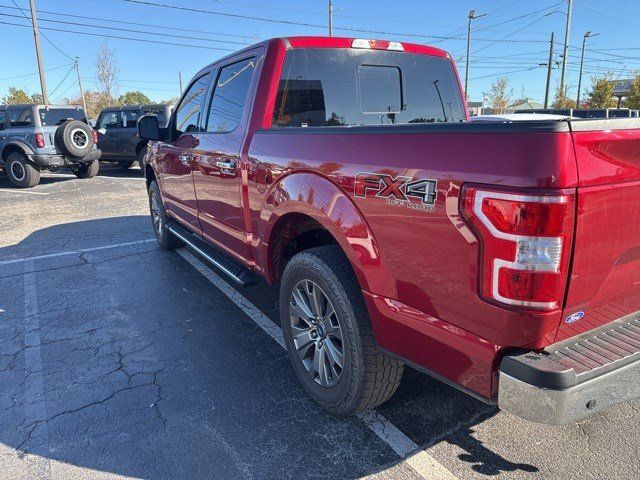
(106, 69)
(500, 95)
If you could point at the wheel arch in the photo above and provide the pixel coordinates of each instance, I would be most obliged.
(309, 210)
(15, 146)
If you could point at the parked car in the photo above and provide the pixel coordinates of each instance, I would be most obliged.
(34, 138)
(117, 129)
(502, 257)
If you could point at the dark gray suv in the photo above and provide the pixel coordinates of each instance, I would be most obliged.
(34, 138)
(117, 129)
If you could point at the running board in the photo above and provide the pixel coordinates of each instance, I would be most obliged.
(225, 264)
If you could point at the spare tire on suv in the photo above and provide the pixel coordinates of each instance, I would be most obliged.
(74, 138)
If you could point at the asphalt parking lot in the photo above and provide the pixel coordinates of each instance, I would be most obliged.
(118, 360)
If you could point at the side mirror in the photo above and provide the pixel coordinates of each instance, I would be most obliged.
(148, 128)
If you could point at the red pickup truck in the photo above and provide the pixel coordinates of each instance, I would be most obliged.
(501, 257)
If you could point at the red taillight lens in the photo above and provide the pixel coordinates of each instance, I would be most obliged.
(95, 136)
(39, 140)
(524, 241)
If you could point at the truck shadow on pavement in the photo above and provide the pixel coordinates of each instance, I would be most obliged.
(127, 360)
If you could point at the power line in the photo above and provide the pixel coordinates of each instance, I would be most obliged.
(608, 16)
(43, 35)
(130, 30)
(505, 73)
(63, 79)
(125, 22)
(91, 34)
(33, 74)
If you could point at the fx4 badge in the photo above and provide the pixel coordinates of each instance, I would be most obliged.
(398, 191)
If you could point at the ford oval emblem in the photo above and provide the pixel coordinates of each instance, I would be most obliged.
(574, 317)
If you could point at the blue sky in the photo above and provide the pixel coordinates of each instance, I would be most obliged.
(511, 40)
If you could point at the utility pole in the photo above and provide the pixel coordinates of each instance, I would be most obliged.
(331, 18)
(36, 38)
(567, 35)
(549, 69)
(472, 16)
(84, 102)
(588, 34)
(180, 81)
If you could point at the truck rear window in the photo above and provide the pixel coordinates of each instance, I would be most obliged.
(353, 87)
(57, 116)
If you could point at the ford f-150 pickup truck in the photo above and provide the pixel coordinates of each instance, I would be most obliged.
(501, 257)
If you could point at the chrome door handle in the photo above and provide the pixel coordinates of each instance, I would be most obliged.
(185, 159)
(226, 165)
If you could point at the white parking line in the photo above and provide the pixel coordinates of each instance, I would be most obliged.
(35, 405)
(29, 192)
(417, 459)
(75, 252)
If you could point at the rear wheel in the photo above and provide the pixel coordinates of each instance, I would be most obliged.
(166, 239)
(87, 170)
(125, 164)
(328, 334)
(21, 172)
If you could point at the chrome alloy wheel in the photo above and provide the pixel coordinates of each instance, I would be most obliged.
(156, 216)
(317, 335)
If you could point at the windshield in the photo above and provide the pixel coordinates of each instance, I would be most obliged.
(57, 116)
(351, 87)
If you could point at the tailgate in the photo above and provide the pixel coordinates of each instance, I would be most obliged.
(605, 277)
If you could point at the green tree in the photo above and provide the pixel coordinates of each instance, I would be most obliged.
(96, 101)
(561, 100)
(633, 97)
(17, 95)
(169, 101)
(500, 95)
(601, 94)
(134, 98)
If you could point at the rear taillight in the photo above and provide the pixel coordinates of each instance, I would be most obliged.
(39, 140)
(524, 245)
(95, 136)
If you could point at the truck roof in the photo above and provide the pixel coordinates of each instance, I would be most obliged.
(337, 42)
(135, 107)
(23, 105)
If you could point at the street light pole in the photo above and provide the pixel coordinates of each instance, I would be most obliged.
(36, 38)
(588, 34)
(472, 16)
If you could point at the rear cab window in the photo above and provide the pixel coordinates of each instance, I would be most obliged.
(57, 116)
(334, 87)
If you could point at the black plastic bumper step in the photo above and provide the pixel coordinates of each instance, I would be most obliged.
(581, 358)
(220, 261)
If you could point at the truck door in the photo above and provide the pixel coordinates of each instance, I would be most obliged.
(174, 156)
(107, 128)
(128, 135)
(217, 161)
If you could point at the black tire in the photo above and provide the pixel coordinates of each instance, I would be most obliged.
(74, 138)
(87, 170)
(125, 164)
(21, 172)
(141, 154)
(159, 220)
(368, 377)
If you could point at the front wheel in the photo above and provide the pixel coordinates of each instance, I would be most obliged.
(166, 239)
(125, 164)
(328, 334)
(87, 170)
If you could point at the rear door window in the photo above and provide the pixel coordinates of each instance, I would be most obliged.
(130, 119)
(230, 95)
(20, 117)
(3, 119)
(57, 116)
(361, 87)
